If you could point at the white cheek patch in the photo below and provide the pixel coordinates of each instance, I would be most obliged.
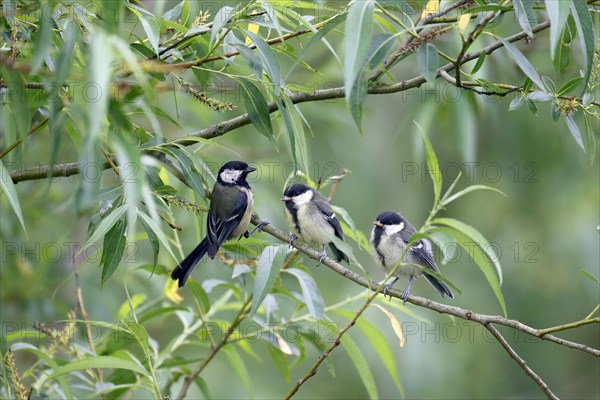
(303, 198)
(230, 175)
(419, 246)
(393, 229)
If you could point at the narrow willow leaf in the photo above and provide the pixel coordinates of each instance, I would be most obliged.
(587, 36)
(433, 166)
(428, 60)
(97, 362)
(397, 328)
(151, 27)
(113, 249)
(590, 276)
(570, 85)
(190, 172)
(267, 270)
(221, 18)
(19, 102)
(523, 62)
(361, 364)
(8, 187)
(44, 36)
(130, 305)
(469, 190)
(558, 12)
(481, 259)
(525, 15)
(104, 226)
(589, 139)
(237, 363)
(574, 129)
(479, 63)
(281, 362)
(200, 295)
(379, 343)
(156, 229)
(310, 292)
(258, 109)
(295, 129)
(153, 239)
(357, 39)
(269, 60)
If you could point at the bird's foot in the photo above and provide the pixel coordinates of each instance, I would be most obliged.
(404, 297)
(322, 257)
(258, 227)
(386, 287)
(292, 240)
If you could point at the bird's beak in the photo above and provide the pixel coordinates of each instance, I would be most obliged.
(379, 224)
(250, 169)
(285, 198)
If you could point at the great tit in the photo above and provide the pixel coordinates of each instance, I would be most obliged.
(389, 238)
(231, 204)
(311, 218)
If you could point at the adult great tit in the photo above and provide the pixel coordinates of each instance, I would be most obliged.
(231, 204)
(311, 218)
(389, 238)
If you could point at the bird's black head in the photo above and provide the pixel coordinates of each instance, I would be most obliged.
(298, 192)
(234, 173)
(388, 218)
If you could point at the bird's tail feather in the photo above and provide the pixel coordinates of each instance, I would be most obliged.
(186, 266)
(440, 286)
(339, 255)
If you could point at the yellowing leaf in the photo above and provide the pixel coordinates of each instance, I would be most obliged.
(463, 21)
(431, 7)
(164, 176)
(254, 29)
(171, 292)
(283, 346)
(395, 325)
(125, 309)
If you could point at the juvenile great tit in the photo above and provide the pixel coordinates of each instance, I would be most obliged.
(231, 204)
(311, 218)
(389, 238)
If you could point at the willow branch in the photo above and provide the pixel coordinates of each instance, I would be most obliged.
(423, 302)
(513, 354)
(221, 128)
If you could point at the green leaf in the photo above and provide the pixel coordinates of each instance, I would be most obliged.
(310, 292)
(43, 40)
(267, 270)
(428, 60)
(590, 276)
(587, 36)
(589, 139)
(479, 63)
(281, 362)
(558, 12)
(156, 229)
(433, 166)
(8, 187)
(525, 15)
(97, 362)
(258, 108)
(153, 239)
(190, 172)
(104, 226)
(470, 189)
(480, 254)
(113, 249)
(200, 295)
(523, 62)
(269, 60)
(221, 18)
(380, 47)
(293, 125)
(379, 343)
(361, 365)
(18, 100)
(237, 363)
(570, 85)
(574, 129)
(150, 25)
(357, 40)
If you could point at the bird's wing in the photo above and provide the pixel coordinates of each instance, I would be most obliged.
(325, 208)
(422, 248)
(231, 221)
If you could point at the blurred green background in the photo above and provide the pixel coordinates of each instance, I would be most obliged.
(545, 232)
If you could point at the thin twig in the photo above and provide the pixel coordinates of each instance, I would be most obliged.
(187, 382)
(513, 354)
(572, 325)
(337, 182)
